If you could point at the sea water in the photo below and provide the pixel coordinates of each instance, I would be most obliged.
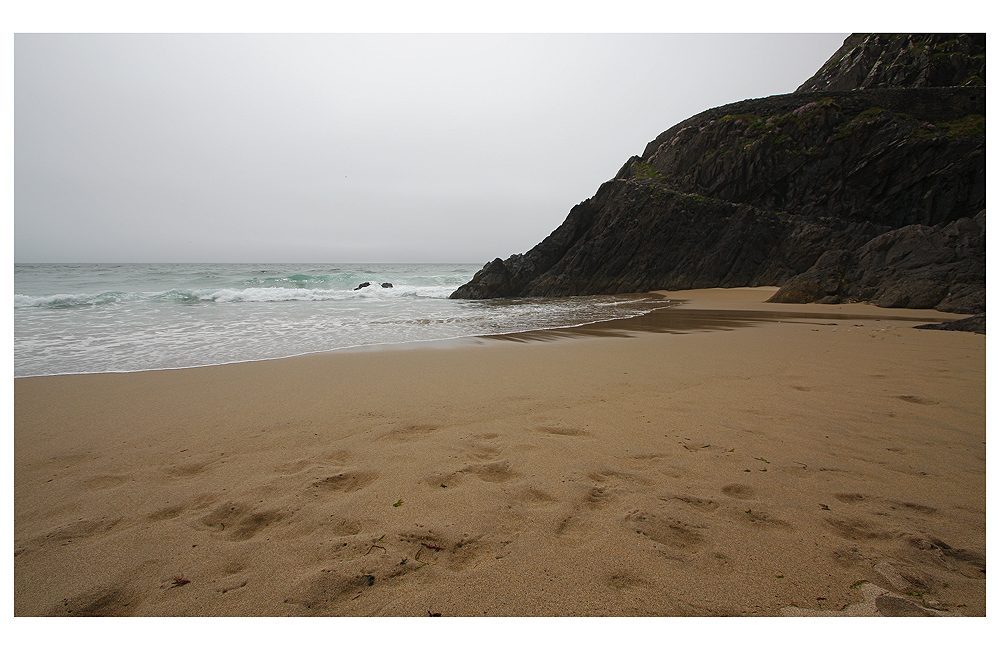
(88, 318)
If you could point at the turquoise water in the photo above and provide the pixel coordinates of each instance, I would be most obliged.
(86, 318)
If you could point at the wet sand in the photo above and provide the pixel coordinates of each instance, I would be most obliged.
(722, 457)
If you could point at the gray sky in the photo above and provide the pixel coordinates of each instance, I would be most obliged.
(349, 148)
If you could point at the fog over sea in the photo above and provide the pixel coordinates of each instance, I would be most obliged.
(87, 318)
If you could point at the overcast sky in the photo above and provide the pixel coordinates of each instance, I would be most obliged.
(349, 148)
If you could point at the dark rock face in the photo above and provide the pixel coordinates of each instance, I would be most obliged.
(857, 156)
(636, 236)
(916, 267)
(975, 324)
(903, 60)
(876, 194)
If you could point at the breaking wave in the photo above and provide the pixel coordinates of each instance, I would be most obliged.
(118, 318)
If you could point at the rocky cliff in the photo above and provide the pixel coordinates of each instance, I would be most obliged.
(903, 61)
(868, 183)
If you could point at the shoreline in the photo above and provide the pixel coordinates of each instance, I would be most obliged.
(635, 474)
(365, 347)
(722, 308)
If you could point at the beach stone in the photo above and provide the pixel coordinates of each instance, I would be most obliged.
(896, 606)
(363, 285)
(893, 576)
(876, 601)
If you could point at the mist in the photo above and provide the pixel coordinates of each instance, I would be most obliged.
(349, 147)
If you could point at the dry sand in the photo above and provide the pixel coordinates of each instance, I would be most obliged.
(793, 467)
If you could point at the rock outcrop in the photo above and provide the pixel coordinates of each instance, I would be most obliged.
(903, 61)
(975, 324)
(915, 267)
(875, 193)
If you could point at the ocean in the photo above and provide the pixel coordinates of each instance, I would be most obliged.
(90, 318)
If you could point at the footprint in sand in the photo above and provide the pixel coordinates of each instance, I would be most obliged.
(913, 399)
(478, 451)
(967, 562)
(535, 497)
(562, 431)
(847, 557)
(571, 529)
(63, 535)
(230, 585)
(108, 601)
(613, 475)
(738, 491)
(328, 588)
(762, 519)
(184, 470)
(857, 529)
(705, 505)
(916, 507)
(498, 472)
(173, 511)
(851, 497)
(904, 578)
(346, 527)
(293, 468)
(410, 432)
(623, 580)
(337, 587)
(673, 533)
(444, 480)
(598, 497)
(609, 484)
(445, 550)
(170, 512)
(348, 481)
(239, 521)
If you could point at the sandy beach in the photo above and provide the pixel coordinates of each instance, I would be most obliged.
(814, 460)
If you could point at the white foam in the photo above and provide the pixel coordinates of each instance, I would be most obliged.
(148, 317)
(68, 299)
(269, 294)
